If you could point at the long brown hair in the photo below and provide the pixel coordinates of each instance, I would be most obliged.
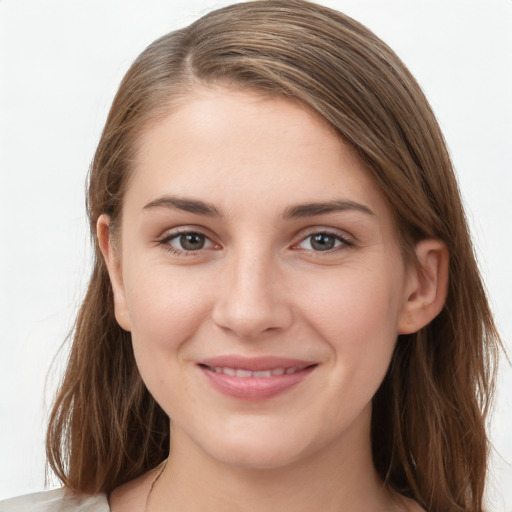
(428, 422)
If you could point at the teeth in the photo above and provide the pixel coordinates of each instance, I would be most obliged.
(260, 373)
(265, 373)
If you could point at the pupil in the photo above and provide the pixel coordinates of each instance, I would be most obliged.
(322, 242)
(192, 241)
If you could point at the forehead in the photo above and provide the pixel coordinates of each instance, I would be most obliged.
(226, 144)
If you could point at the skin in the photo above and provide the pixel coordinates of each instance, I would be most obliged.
(259, 286)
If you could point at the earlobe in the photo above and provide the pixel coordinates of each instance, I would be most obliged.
(113, 263)
(427, 287)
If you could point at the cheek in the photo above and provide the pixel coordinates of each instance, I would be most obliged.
(165, 308)
(165, 313)
(359, 309)
(357, 318)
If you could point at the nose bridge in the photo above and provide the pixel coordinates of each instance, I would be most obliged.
(250, 300)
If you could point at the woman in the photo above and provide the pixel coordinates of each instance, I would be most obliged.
(284, 270)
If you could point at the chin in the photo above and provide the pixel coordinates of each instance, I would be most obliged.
(258, 449)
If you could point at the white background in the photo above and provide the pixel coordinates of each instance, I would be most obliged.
(60, 64)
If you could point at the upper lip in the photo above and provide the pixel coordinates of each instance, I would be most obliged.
(255, 364)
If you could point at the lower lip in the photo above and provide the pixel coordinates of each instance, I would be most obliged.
(255, 388)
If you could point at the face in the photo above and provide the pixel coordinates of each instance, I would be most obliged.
(259, 273)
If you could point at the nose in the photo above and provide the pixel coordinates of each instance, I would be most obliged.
(251, 297)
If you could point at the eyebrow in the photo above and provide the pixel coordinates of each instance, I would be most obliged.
(186, 205)
(312, 209)
(301, 210)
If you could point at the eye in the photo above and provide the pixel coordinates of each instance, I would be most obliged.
(187, 241)
(323, 241)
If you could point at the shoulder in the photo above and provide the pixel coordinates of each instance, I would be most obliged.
(58, 500)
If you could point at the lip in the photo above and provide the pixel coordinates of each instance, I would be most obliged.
(255, 364)
(255, 388)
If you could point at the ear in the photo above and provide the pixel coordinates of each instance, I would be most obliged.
(427, 287)
(113, 262)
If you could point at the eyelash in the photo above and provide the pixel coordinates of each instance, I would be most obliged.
(165, 242)
(344, 241)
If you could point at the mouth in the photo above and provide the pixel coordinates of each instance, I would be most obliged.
(245, 374)
(255, 378)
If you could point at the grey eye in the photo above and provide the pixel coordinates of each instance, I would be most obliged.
(321, 242)
(187, 243)
(191, 241)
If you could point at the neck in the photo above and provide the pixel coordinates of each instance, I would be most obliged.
(340, 477)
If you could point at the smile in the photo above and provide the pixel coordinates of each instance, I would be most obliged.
(266, 374)
(255, 378)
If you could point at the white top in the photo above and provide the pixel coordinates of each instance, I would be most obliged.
(59, 500)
